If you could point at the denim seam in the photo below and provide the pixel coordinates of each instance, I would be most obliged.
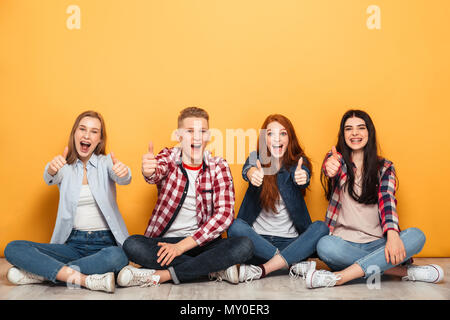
(173, 275)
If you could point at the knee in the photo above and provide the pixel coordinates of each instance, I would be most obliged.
(320, 228)
(243, 248)
(132, 245)
(13, 247)
(116, 257)
(237, 228)
(327, 248)
(415, 235)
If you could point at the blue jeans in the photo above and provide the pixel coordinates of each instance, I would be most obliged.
(214, 256)
(292, 250)
(92, 252)
(338, 253)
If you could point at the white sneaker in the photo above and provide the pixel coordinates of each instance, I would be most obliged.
(130, 276)
(321, 278)
(230, 274)
(429, 273)
(301, 269)
(17, 276)
(101, 282)
(249, 272)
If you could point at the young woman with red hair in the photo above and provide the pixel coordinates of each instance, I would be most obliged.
(273, 214)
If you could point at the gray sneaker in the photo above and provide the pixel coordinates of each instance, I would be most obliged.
(301, 269)
(130, 276)
(249, 272)
(101, 282)
(18, 277)
(321, 278)
(429, 273)
(230, 274)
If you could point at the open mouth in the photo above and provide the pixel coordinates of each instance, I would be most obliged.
(277, 148)
(196, 146)
(84, 146)
(356, 140)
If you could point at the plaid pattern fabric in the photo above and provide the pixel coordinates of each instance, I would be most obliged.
(214, 189)
(387, 203)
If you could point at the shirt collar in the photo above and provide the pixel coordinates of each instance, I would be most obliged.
(93, 160)
(206, 157)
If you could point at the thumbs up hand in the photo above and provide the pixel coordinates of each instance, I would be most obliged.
(333, 164)
(149, 162)
(301, 176)
(118, 168)
(58, 162)
(256, 175)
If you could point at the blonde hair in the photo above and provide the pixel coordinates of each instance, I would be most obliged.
(192, 112)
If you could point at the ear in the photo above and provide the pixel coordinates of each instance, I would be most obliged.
(179, 134)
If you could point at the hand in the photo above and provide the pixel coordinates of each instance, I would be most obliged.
(149, 162)
(301, 176)
(58, 162)
(333, 164)
(394, 251)
(167, 253)
(256, 175)
(118, 168)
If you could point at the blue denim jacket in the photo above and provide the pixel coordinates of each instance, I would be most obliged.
(102, 182)
(289, 190)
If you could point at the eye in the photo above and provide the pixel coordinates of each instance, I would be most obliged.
(284, 133)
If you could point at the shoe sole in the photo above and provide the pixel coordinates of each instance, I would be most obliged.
(308, 280)
(112, 283)
(440, 273)
(233, 275)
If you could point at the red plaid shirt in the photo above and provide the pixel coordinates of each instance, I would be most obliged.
(387, 202)
(214, 195)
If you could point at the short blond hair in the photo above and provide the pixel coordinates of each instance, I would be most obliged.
(192, 112)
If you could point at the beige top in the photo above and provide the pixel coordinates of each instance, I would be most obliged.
(357, 222)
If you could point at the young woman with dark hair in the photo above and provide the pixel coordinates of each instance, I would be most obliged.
(85, 248)
(365, 236)
(273, 214)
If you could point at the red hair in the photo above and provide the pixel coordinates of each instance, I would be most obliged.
(269, 189)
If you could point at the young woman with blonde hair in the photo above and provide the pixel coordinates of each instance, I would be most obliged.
(85, 247)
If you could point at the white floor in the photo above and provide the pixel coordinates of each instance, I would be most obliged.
(277, 286)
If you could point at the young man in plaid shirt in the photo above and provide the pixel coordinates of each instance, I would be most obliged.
(195, 206)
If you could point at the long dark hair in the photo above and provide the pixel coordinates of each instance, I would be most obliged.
(372, 162)
(269, 189)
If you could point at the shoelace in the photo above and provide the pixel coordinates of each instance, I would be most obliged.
(216, 275)
(410, 277)
(257, 272)
(329, 278)
(152, 283)
(295, 270)
(140, 276)
(97, 282)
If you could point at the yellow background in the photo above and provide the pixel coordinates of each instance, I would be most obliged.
(140, 62)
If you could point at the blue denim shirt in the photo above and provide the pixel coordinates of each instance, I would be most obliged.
(102, 182)
(289, 190)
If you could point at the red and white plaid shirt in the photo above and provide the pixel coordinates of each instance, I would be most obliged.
(214, 195)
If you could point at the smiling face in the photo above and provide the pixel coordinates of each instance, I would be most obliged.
(193, 135)
(355, 133)
(87, 136)
(277, 139)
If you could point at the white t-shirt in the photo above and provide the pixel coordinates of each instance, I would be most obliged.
(275, 224)
(186, 223)
(88, 216)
